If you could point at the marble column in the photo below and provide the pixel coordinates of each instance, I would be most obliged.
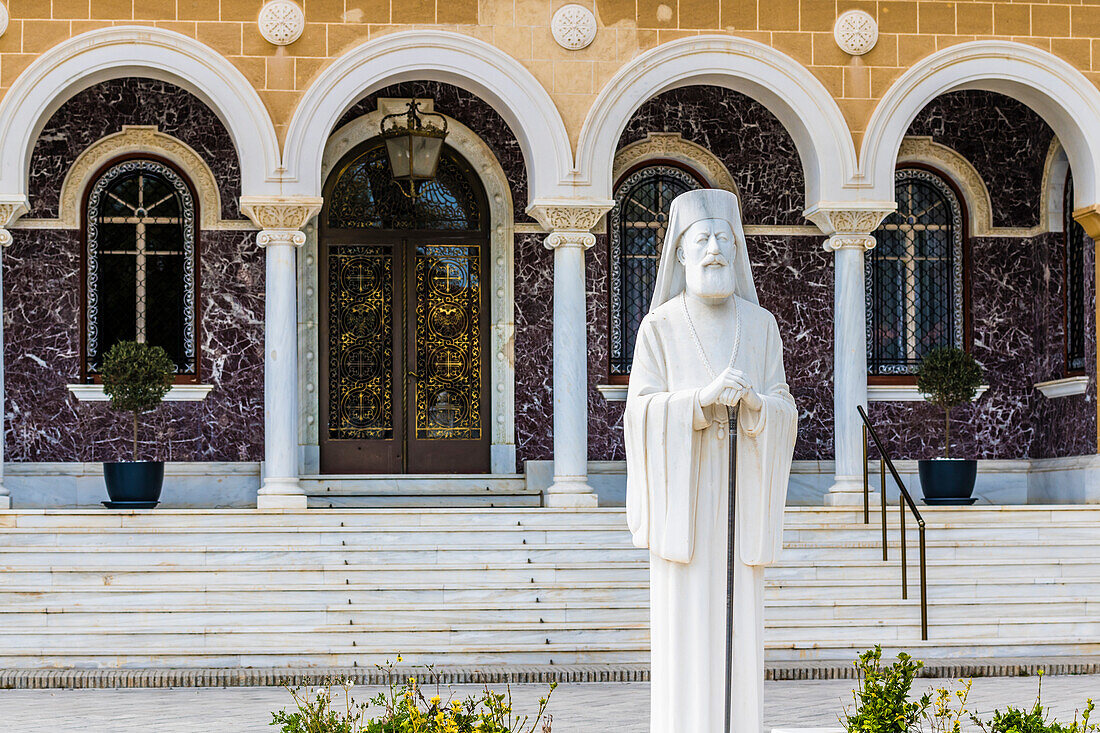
(280, 219)
(570, 234)
(849, 231)
(11, 208)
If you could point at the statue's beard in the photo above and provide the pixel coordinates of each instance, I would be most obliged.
(713, 282)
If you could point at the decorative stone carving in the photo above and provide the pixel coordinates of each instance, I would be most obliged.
(280, 217)
(921, 149)
(281, 22)
(584, 240)
(573, 26)
(671, 146)
(11, 208)
(855, 241)
(856, 32)
(850, 219)
(568, 217)
(141, 139)
(4, 18)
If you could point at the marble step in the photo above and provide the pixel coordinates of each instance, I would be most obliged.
(184, 556)
(410, 484)
(370, 501)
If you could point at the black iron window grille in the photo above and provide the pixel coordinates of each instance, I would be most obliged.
(140, 260)
(638, 223)
(1076, 242)
(915, 276)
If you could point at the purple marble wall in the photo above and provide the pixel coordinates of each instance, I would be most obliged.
(42, 299)
(1017, 311)
(1005, 141)
(1016, 300)
(758, 151)
(103, 109)
(534, 349)
(42, 355)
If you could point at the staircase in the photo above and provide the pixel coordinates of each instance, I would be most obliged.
(515, 586)
(411, 491)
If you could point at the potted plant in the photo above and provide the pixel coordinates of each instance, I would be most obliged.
(136, 376)
(948, 378)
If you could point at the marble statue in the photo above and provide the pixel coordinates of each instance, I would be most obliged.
(707, 352)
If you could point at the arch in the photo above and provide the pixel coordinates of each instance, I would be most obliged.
(1057, 91)
(785, 87)
(954, 167)
(110, 53)
(436, 56)
(672, 146)
(498, 193)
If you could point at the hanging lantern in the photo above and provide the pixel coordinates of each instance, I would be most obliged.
(413, 145)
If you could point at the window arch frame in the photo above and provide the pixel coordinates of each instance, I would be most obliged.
(1072, 228)
(961, 271)
(86, 376)
(612, 232)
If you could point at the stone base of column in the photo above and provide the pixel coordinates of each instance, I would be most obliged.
(5, 502)
(846, 491)
(565, 493)
(281, 493)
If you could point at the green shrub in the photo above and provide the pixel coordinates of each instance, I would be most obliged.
(403, 708)
(948, 378)
(1034, 720)
(882, 695)
(136, 376)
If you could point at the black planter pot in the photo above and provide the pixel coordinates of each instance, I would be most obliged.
(133, 484)
(948, 480)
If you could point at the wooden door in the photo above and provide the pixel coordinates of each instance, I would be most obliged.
(404, 322)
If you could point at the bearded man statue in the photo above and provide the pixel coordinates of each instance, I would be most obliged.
(707, 385)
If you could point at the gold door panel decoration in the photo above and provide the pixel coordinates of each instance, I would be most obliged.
(448, 342)
(360, 342)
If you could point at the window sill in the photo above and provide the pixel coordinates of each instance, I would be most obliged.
(613, 392)
(903, 393)
(178, 393)
(1065, 387)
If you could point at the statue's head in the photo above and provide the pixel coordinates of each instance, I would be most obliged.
(707, 251)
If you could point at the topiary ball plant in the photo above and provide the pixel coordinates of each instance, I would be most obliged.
(136, 376)
(948, 378)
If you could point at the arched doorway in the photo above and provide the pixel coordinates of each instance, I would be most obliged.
(404, 317)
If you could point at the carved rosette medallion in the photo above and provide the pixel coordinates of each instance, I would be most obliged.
(573, 26)
(4, 18)
(281, 22)
(856, 32)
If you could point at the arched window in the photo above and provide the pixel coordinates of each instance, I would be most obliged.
(637, 224)
(1076, 242)
(140, 235)
(915, 293)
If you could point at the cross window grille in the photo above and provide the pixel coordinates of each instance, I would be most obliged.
(1076, 242)
(915, 276)
(140, 259)
(638, 223)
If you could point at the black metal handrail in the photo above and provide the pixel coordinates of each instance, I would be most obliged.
(884, 463)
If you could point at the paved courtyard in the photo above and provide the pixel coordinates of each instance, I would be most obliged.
(577, 708)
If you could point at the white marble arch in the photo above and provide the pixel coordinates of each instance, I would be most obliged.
(432, 55)
(801, 103)
(501, 295)
(110, 53)
(1057, 91)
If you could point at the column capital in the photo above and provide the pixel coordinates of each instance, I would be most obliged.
(862, 242)
(12, 206)
(556, 239)
(567, 215)
(280, 217)
(1089, 219)
(856, 218)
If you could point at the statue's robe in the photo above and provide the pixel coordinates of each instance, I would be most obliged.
(678, 460)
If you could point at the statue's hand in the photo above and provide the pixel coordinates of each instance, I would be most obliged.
(717, 392)
(739, 391)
